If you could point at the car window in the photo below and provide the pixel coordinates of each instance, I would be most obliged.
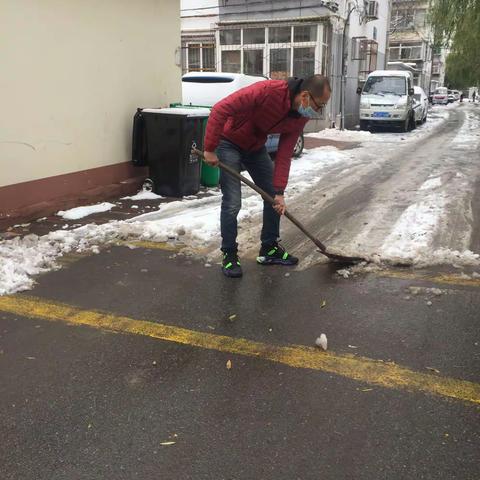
(212, 79)
(384, 85)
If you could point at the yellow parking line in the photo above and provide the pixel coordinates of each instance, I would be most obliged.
(448, 279)
(169, 247)
(375, 372)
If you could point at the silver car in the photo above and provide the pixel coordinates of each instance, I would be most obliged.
(420, 105)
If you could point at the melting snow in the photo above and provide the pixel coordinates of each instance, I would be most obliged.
(81, 212)
(143, 195)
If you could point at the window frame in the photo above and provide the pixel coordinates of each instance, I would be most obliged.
(321, 46)
(201, 45)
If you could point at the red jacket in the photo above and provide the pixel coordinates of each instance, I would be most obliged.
(247, 116)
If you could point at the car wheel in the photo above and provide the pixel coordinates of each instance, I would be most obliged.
(297, 151)
(363, 125)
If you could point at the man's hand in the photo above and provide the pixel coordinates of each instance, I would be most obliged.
(210, 158)
(279, 204)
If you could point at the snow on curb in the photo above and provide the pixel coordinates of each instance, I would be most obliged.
(195, 221)
(81, 212)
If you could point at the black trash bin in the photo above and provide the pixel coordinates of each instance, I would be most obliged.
(169, 135)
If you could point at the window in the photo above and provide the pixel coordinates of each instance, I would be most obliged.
(278, 51)
(253, 62)
(208, 57)
(402, 18)
(420, 17)
(231, 61)
(394, 53)
(279, 34)
(303, 62)
(369, 61)
(198, 57)
(305, 33)
(253, 35)
(230, 37)
(410, 53)
(194, 57)
(279, 63)
(375, 33)
(406, 52)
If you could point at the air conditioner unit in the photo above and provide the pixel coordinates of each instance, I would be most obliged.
(372, 10)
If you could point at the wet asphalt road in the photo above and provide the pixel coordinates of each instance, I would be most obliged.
(84, 403)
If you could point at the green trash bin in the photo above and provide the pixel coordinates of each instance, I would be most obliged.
(209, 176)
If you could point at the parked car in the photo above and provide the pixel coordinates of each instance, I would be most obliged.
(451, 96)
(456, 95)
(420, 105)
(440, 96)
(206, 89)
(387, 99)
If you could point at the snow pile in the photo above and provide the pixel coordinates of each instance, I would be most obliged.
(431, 183)
(343, 135)
(468, 138)
(81, 212)
(143, 195)
(414, 230)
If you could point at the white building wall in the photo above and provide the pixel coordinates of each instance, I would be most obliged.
(198, 14)
(73, 74)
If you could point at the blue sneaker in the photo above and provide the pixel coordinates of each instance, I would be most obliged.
(275, 255)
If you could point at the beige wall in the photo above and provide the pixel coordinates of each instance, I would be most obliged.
(73, 73)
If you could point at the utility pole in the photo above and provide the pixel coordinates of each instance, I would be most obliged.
(343, 83)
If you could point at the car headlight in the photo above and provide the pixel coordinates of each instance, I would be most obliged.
(400, 105)
(364, 104)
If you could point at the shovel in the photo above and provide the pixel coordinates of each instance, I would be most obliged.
(268, 198)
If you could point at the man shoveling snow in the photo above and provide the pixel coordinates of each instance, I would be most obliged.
(236, 133)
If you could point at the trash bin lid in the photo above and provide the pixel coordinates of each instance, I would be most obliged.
(190, 112)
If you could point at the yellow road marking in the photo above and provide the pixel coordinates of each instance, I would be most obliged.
(448, 279)
(169, 247)
(374, 372)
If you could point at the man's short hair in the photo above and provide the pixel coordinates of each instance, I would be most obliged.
(316, 85)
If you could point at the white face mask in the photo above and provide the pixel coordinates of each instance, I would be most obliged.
(307, 112)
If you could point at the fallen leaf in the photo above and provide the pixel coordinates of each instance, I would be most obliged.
(229, 364)
(433, 369)
(30, 358)
(324, 303)
(168, 443)
(352, 346)
(366, 389)
(232, 317)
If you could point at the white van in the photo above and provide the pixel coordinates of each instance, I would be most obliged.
(387, 99)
